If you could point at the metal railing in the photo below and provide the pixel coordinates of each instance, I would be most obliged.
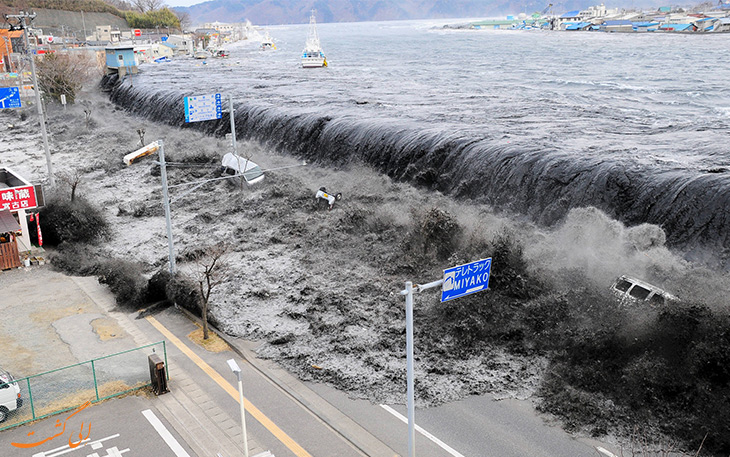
(98, 379)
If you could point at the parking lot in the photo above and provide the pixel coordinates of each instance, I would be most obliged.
(96, 431)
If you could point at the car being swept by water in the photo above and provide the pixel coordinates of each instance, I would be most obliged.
(629, 289)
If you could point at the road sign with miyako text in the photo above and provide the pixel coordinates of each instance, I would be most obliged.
(466, 279)
(203, 108)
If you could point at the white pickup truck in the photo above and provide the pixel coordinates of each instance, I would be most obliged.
(10, 398)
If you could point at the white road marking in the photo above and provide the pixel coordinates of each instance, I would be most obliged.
(423, 432)
(165, 434)
(66, 449)
(605, 452)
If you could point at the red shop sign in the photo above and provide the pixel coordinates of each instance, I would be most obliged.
(15, 198)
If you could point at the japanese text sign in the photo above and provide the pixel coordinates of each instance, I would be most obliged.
(15, 198)
(466, 279)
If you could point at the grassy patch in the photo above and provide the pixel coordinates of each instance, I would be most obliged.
(213, 344)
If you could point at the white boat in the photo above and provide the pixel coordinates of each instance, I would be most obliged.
(312, 56)
(267, 43)
(202, 54)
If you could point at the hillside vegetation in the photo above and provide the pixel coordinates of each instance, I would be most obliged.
(87, 6)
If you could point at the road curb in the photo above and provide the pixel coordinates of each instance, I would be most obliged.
(343, 425)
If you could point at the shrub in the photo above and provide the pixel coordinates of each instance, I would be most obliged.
(184, 292)
(124, 280)
(439, 233)
(157, 286)
(74, 258)
(77, 221)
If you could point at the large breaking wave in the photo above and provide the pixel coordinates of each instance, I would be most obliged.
(542, 184)
(508, 119)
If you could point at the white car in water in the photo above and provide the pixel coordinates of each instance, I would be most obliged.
(10, 398)
(235, 165)
(629, 289)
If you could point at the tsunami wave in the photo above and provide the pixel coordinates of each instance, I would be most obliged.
(540, 182)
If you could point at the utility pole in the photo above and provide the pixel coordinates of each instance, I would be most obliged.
(83, 21)
(22, 19)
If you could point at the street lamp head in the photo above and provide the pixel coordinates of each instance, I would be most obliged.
(234, 366)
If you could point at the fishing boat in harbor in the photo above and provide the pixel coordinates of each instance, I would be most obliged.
(267, 43)
(312, 56)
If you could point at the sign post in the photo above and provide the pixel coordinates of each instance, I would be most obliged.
(209, 107)
(457, 282)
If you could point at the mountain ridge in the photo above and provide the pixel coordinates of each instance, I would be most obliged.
(271, 12)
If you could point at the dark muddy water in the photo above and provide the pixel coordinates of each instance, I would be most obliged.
(532, 122)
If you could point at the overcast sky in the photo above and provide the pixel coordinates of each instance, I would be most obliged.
(183, 2)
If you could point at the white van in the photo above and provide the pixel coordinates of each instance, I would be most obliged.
(635, 290)
(10, 398)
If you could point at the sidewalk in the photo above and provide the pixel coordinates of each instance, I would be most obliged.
(81, 304)
(193, 414)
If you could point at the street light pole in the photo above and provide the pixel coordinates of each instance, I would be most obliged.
(166, 204)
(236, 369)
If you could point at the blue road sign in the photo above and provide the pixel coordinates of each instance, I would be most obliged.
(9, 97)
(203, 108)
(466, 279)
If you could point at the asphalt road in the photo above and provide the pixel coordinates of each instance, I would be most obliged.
(306, 430)
(474, 427)
(477, 426)
(103, 434)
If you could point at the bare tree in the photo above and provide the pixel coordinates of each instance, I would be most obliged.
(65, 73)
(87, 113)
(148, 5)
(184, 18)
(212, 269)
(72, 179)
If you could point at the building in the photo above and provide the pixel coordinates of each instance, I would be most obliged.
(10, 42)
(184, 44)
(121, 59)
(17, 197)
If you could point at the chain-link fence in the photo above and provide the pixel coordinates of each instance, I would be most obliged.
(67, 388)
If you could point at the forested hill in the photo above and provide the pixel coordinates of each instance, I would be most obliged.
(87, 6)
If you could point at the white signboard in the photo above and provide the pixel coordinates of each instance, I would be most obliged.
(203, 108)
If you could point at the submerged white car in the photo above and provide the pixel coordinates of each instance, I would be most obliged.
(635, 290)
(10, 398)
(235, 164)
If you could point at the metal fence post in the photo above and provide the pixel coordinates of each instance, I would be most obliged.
(30, 397)
(167, 369)
(96, 386)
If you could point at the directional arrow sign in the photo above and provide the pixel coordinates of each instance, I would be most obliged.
(466, 279)
(203, 108)
(9, 97)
